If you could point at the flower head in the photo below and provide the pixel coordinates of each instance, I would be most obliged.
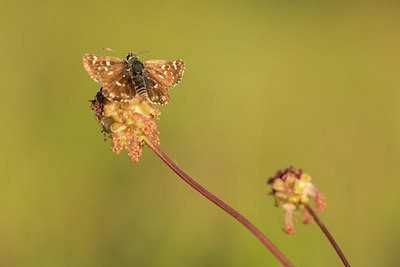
(127, 123)
(292, 189)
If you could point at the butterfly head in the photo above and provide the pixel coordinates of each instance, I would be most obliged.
(132, 55)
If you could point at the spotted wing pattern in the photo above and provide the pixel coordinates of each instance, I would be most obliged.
(113, 73)
(160, 75)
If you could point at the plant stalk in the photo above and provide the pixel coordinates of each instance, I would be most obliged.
(328, 235)
(220, 204)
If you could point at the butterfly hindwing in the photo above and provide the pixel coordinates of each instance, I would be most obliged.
(157, 91)
(120, 88)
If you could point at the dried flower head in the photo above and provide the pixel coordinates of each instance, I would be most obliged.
(127, 123)
(292, 189)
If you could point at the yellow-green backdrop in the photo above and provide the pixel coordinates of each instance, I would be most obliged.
(268, 84)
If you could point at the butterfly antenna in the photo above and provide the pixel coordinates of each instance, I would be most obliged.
(109, 49)
(145, 51)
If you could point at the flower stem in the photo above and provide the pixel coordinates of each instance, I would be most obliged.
(220, 204)
(328, 235)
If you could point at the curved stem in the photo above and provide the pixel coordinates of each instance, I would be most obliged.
(220, 204)
(328, 235)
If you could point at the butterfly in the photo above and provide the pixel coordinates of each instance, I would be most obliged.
(123, 79)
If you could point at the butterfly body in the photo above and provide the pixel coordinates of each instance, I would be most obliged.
(122, 80)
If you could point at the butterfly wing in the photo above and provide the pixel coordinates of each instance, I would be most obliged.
(156, 90)
(120, 88)
(161, 75)
(112, 73)
(102, 69)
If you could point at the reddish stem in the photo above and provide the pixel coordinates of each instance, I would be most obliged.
(220, 204)
(328, 235)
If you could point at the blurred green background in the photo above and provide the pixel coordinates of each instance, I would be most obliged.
(268, 84)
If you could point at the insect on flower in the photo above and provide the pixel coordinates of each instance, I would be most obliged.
(123, 79)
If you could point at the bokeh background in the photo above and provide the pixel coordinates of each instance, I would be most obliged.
(268, 84)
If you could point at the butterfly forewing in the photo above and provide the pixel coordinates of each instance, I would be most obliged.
(168, 72)
(161, 75)
(102, 69)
